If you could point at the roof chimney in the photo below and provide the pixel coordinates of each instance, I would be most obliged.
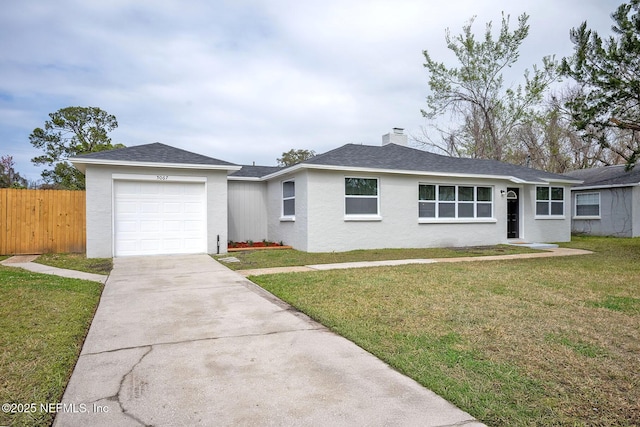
(396, 136)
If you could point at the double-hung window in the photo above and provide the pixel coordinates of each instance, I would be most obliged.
(361, 196)
(587, 205)
(454, 201)
(549, 201)
(288, 199)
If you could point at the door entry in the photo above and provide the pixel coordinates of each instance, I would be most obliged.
(513, 213)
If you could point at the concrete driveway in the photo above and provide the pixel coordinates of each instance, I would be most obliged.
(182, 340)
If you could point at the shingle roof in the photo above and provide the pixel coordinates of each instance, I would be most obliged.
(606, 176)
(397, 157)
(252, 171)
(153, 153)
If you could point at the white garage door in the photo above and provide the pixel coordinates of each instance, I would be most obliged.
(153, 218)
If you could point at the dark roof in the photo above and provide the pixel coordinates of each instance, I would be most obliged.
(252, 171)
(398, 157)
(153, 153)
(606, 176)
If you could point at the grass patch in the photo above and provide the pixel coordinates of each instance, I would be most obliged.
(78, 262)
(43, 322)
(292, 257)
(583, 348)
(623, 304)
(518, 342)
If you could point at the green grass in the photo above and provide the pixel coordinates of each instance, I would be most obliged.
(43, 322)
(291, 257)
(544, 342)
(77, 262)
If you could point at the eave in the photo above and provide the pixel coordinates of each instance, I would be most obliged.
(81, 164)
(601, 187)
(509, 178)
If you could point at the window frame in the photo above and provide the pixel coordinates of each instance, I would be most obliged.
(549, 202)
(285, 198)
(437, 203)
(362, 216)
(575, 205)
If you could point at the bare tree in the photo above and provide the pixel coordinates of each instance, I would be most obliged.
(552, 142)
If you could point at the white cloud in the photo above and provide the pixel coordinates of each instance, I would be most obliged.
(244, 81)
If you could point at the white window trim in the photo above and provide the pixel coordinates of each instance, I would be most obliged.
(575, 207)
(283, 217)
(564, 203)
(456, 219)
(362, 217)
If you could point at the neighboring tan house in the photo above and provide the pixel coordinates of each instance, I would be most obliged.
(147, 200)
(607, 203)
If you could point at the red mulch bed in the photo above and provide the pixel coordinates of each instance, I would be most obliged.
(239, 246)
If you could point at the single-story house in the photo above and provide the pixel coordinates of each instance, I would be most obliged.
(607, 202)
(156, 199)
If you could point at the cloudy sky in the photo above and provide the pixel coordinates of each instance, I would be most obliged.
(244, 81)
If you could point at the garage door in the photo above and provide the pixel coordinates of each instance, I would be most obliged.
(153, 218)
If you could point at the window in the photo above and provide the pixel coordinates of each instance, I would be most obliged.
(288, 199)
(361, 196)
(549, 201)
(454, 201)
(588, 204)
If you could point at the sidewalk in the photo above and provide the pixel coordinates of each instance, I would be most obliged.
(26, 262)
(555, 252)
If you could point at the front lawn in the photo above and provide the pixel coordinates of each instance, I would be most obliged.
(549, 341)
(77, 262)
(291, 257)
(43, 322)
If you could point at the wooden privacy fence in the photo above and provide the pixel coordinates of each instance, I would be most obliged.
(42, 221)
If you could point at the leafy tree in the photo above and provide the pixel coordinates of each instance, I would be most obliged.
(294, 156)
(608, 71)
(487, 111)
(71, 131)
(8, 175)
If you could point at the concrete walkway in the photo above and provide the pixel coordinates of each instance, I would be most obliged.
(363, 264)
(26, 262)
(182, 340)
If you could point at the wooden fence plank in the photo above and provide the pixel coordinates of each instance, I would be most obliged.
(3, 221)
(42, 221)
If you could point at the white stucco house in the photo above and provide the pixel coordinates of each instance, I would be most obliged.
(156, 199)
(607, 202)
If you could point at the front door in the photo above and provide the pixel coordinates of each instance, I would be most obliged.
(513, 213)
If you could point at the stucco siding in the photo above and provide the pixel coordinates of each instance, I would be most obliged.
(287, 230)
(398, 227)
(618, 215)
(545, 228)
(247, 214)
(99, 184)
(99, 210)
(321, 225)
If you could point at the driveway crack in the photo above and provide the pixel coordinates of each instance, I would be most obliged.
(221, 337)
(137, 388)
